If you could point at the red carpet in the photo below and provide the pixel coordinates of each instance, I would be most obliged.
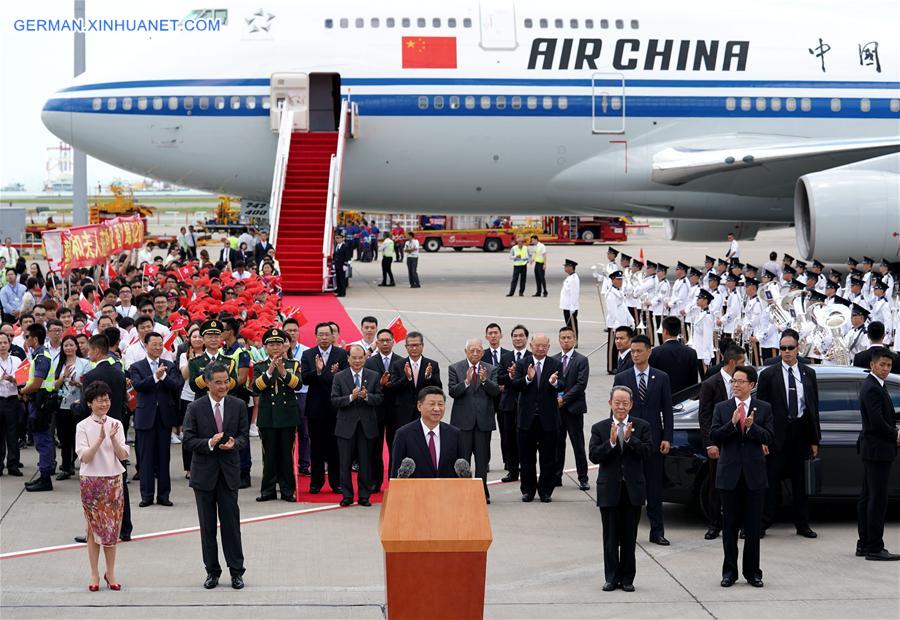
(325, 496)
(319, 308)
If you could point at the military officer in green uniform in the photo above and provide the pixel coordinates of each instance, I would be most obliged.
(212, 339)
(274, 383)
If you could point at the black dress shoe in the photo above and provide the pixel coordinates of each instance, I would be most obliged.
(860, 553)
(364, 502)
(661, 541)
(304, 471)
(509, 294)
(211, 581)
(14, 471)
(536, 295)
(727, 582)
(528, 497)
(756, 582)
(584, 486)
(237, 582)
(266, 498)
(125, 537)
(883, 556)
(558, 482)
(546, 499)
(509, 478)
(164, 502)
(144, 503)
(609, 586)
(81, 539)
(346, 501)
(712, 533)
(288, 497)
(63, 475)
(806, 532)
(628, 587)
(41, 484)
(245, 480)
(314, 490)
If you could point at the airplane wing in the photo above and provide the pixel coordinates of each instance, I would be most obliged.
(758, 165)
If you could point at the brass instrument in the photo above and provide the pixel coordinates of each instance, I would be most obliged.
(834, 318)
(770, 296)
(808, 327)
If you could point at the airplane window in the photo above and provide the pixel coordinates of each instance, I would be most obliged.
(543, 23)
(141, 103)
(235, 103)
(805, 104)
(563, 103)
(389, 22)
(775, 104)
(359, 22)
(615, 103)
(558, 23)
(173, 103)
(157, 103)
(547, 103)
(126, 103)
(528, 23)
(438, 102)
(423, 103)
(221, 15)
(188, 103)
(266, 103)
(895, 105)
(730, 104)
(436, 22)
(451, 22)
(250, 103)
(454, 102)
(516, 103)
(835, 105)
(374, 22)
(203, 103)
(760, 104)
(589, 24)
(864, 105)
(573, 23)
(111, 103)
(501, 102)
(96, 103)
(745, 104)
(485, 103)
(470, 103)
(420, 22)
(604, 24)
(531, 102)
(634, 24)
(620, 24)
(405, 22)
(344, 22)
(467, 22)
(790, 104)
(219, 102)
(329, 23)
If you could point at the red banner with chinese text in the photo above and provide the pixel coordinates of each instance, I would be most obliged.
(86, 246)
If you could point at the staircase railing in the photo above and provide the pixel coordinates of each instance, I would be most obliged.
(281, 161)
(336, 169)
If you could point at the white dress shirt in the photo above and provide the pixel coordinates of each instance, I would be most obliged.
(212, 403)
(737, 403)
(437, 438)
(801, 402)
(727, 379)
(616, 423)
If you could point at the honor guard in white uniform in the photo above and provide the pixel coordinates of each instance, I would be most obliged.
(708, 263)
(678, 295)
(856, 292)
(881, 311)
(568, 295)
(646, 290)
(856, 337)
(867, 264)
(617, 314)
(660, 298)
(750, 322)
(885, 273)
(690, 309)
(702, 337)
(852, 264)
(632, 289)
(732, 308)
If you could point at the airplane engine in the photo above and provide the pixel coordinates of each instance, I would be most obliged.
(710, 230)
(849, 210)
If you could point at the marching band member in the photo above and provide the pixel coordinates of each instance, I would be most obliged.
(732, 307)
(856, 337)
(881, 310)
(702, 337)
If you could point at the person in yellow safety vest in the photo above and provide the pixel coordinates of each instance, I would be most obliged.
(386, 247)
(41, 383)
(539, 258)
(518, 254)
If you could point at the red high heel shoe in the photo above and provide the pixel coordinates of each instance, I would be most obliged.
(94, 587)
(115, 587)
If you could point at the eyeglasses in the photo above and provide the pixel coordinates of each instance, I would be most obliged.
(788, 347)
(733, 381)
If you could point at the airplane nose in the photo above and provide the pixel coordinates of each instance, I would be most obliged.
(58, 119)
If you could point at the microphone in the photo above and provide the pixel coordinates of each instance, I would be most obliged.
(462, 468)
(406, 469)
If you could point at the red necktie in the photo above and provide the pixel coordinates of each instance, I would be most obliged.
(217, 414)
(743, 415)
(432, 450)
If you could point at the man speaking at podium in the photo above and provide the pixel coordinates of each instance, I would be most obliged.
(433, 446)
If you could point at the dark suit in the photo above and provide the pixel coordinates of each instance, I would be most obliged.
(408, 391)
(538, 424)
(227, 255)
(339, 259)
(571, 413)
(679, 361)
(622, 362)
(356, 426)
(260, 251)
(712, 392)
(621, 491)
(115, 379)
(742, 481)
(877, 446)
(383, 412)
(792, 439)
(777, 360)
(503, 356)
(656, 409)
(320, 415)
(216, 477)
(508, 412)
(410, 442)
(473, 413)
(864, 358)
(156, 414)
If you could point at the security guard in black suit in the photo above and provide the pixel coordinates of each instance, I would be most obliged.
(274, 383)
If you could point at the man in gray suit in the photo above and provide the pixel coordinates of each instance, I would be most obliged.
(473, 386)
(356, 394)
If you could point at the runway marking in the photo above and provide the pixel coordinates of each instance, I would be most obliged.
(196, 528)
(474, 316)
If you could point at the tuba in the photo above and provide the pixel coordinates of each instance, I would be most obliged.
(808, 327)
(771, 300)
(834, 318)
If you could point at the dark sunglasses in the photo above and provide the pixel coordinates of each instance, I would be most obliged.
(788, 347)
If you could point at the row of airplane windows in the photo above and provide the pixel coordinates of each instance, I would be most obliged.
(454, 102)
(436, 22)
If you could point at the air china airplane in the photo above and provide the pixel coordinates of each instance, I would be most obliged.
(714, 116)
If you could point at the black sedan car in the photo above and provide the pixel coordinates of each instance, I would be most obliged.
(839, 473)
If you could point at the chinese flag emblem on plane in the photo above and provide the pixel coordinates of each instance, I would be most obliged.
(398, 329)
(429, 52)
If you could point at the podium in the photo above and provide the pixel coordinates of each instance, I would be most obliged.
(435, 532)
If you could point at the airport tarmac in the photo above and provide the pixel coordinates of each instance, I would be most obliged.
(545, 560)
